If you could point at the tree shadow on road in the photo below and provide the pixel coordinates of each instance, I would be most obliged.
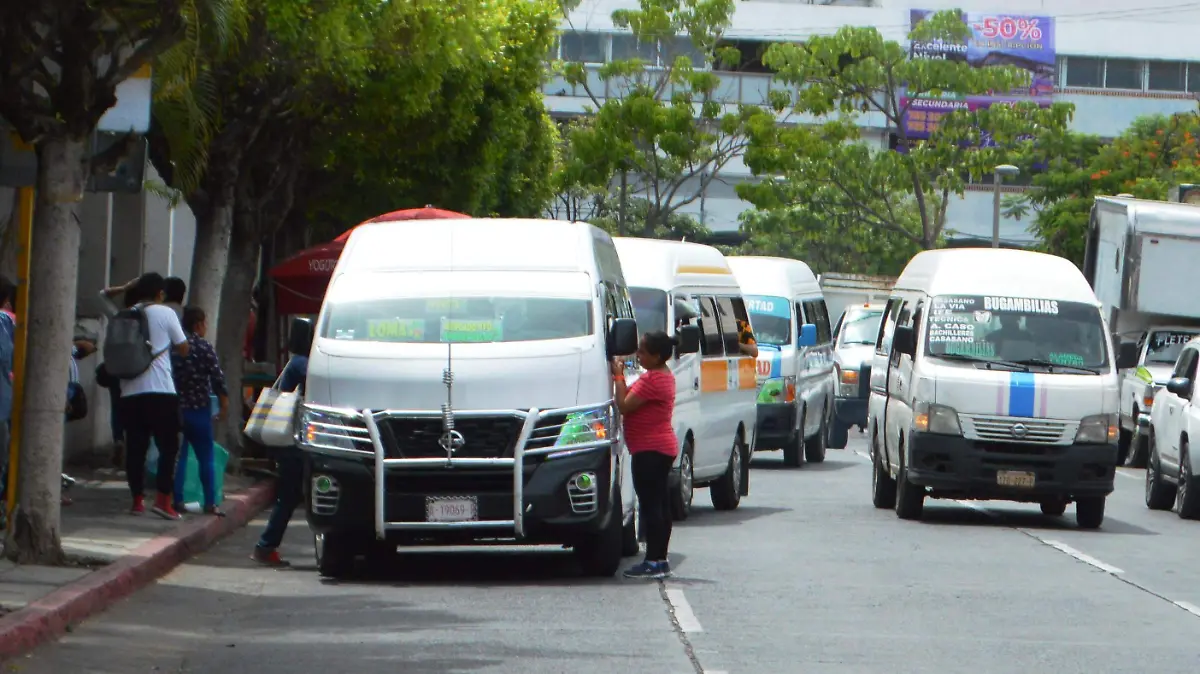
(1015, 516)
(711, 517)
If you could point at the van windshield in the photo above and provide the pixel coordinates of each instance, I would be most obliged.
(770, 318)
(649, 309)
(861, 327)
(1165, 345)
(1017, 330)
(432, 320)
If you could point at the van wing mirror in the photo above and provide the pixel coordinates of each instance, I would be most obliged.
(622, 337)
(904, 340)
(689, 340)
(300, 336)
(1127, 355)
(808, 335)
(1180, 386)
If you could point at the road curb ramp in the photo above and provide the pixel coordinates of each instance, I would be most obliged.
(53, 615)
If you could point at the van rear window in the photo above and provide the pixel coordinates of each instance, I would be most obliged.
(432, 320)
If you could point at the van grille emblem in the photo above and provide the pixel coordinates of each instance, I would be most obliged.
(1019, 431)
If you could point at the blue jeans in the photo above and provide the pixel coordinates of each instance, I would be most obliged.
(289, 489)
(198, 433)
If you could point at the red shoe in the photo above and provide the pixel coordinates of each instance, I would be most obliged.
(268, 557)
(139, 505)
(162, 508)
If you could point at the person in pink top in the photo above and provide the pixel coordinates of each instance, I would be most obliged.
(646, 408)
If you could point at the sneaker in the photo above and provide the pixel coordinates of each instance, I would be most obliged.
(662, 569)
(268, 557)
(643, 570)
(164, 510)
(139, 505)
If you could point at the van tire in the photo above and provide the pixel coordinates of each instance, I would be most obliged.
(1089, 512)
(1187, 494)
(910, 498)
(883, 487)
(814, 447)
(681, 497)
(599, 555)
(793, 451)
(1160, 494)
(726, 492)
(839, 435)
(335, 553)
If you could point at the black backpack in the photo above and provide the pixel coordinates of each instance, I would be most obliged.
(127, 348)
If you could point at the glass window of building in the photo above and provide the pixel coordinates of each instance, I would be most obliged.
(1084, 71)
(1123, 74)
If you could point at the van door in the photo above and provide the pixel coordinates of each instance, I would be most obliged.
(686, 369)
(713, 435)
(900, 385)
(816, 367)
(877, 406)
(742, 370)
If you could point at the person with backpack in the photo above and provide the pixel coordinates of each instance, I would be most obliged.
(137, 349)
(128, 294)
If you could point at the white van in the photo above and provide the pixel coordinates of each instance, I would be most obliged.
(795, 356)
(994, 377)
(459, 389)
(674, 283)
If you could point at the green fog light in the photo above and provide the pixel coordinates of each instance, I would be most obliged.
(323, 484)
(584, 481)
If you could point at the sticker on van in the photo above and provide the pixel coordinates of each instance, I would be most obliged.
(467, 330)
(395, 330)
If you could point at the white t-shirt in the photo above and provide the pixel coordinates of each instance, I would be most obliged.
(165, 331)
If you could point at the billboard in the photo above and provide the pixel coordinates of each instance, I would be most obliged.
(1025, 42)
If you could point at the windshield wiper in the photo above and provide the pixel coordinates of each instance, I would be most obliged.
(986, 363)
(1050, 365)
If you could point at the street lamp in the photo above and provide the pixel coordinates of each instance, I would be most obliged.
(997, 174)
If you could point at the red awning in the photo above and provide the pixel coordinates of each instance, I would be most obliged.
(300, 281)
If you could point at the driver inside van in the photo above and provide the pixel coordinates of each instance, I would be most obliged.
(746, 342)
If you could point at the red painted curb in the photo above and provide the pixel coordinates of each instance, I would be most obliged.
(49, 617)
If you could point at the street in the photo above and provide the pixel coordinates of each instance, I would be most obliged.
(805, 577)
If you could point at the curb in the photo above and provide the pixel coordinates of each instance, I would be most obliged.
(53, 615)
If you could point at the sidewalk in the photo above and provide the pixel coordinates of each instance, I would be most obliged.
(112, 554)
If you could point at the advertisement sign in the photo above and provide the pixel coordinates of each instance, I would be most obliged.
(1025, 42)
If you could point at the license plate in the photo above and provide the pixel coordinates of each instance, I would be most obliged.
(1015, 478)
(459, 509)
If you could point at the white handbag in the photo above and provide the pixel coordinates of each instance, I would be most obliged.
(273, 421)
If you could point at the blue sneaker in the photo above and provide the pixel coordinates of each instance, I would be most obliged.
(643, 570)
(662, 569)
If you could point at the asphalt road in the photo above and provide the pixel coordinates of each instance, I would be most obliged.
(805, 577)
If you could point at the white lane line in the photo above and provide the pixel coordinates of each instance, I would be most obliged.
(863, 454)
(683, 611)
(1131, 476)
(1085, 558)
(1190, 608)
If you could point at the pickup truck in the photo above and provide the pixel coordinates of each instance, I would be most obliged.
(1158, 349)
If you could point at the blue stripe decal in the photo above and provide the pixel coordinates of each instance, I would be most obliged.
(1021, 394)
(777, 364)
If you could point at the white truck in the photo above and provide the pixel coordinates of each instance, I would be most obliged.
(844, 290)
(1141, 260)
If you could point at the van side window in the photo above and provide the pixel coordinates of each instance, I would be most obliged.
(801, 317)
(824, 334)
(916, 323)
(1186, 365)
(711, 341)
(884, 343)
(837, 329)
(729, 325)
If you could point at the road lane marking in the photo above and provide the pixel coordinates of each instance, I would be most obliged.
(1085, 558)
(684, 616)
(1190, 608)
(1130, 475)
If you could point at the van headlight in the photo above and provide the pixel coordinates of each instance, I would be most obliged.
(328, 428)
(585, 426)
(847, 382)
(933, 418)
(1098, 429)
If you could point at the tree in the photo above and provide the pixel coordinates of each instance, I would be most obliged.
(659, 130)
(828, 169)
(1071, 169)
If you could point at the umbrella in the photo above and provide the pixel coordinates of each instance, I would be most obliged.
(302, 279)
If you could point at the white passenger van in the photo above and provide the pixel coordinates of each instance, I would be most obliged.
(674, 283)
(459, 388)
(994, 377)
(795, 356)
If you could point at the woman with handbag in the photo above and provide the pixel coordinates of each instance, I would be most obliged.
(289, 464)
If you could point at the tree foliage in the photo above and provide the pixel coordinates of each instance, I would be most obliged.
(1155, 153)
(660, 131)
(856, 187)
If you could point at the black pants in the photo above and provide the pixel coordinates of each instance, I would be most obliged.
(651, 481)
(145, 416)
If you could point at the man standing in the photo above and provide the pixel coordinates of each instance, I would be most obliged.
(176, 291)
(149, 402)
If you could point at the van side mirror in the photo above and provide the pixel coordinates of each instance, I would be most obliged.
(622, 337)
(300, 336)
(689, 340)
(904, 340)
(808, 335)
(1127, 355)
(1180, 386)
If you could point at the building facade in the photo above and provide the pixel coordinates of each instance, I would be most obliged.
(1115, 61)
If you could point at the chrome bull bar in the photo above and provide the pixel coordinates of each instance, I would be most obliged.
(530, 419)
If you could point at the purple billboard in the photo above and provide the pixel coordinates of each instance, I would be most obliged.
(1025, 42)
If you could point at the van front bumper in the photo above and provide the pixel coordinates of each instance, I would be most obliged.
(776, 425)
(553, 511)
(956, 467)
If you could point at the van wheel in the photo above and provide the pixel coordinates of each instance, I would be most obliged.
(726, 492)
(681, 498)
(1124, 444)
(1160, 494)
(910, 498)
(600, 555)
(1187, 495)
(1089, 512)
(883, 487)
(1138, 451)
(793, 451)
(335, 554)
(839, 435)
(814, 447)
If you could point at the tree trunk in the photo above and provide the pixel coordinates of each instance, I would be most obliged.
(236, 291)
(214, 228)
(54, 268)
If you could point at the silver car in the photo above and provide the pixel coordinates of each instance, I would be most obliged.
(853, 344)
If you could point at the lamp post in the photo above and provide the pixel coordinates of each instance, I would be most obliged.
(997, 174)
